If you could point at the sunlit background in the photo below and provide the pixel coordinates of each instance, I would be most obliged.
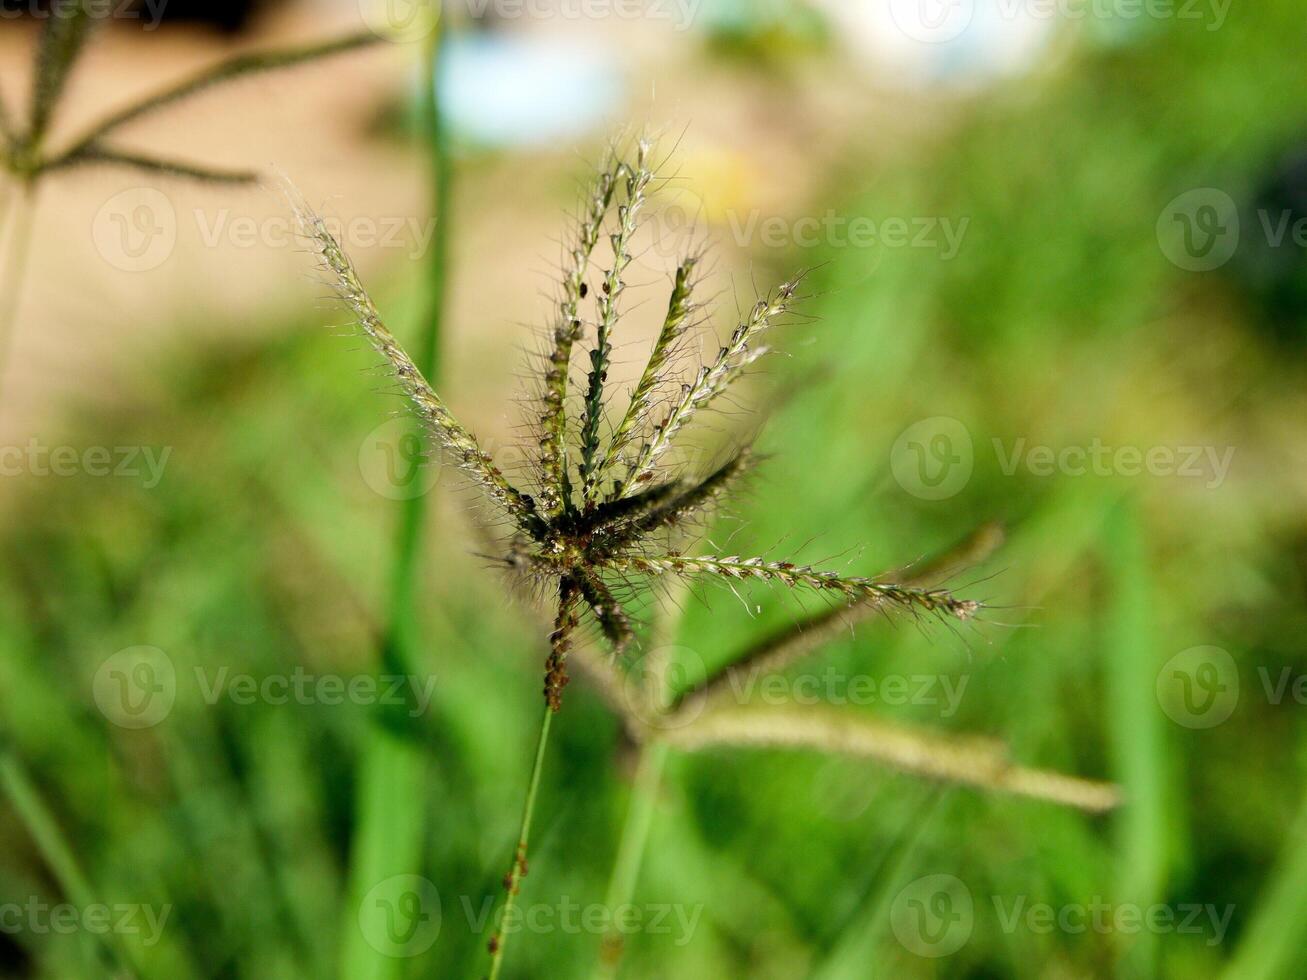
(1056, 280)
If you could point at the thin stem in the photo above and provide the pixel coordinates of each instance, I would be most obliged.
(631, 847)
(35, 816)
(427, 349)
(402, 760)
(514, 877)
(236, 67)
(17, 251)
(648, 779)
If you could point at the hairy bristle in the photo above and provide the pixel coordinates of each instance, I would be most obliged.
(555, 490)
(675, 323)
(803, 576)
(447, 430)
(711, 381)
(636, 178)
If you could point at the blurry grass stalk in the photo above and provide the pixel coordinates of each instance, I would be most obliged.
(1137, 734)
(650, 765)
(651, 762)
(58, 856)
(17, 211)
(391, 816)
(1272, 944)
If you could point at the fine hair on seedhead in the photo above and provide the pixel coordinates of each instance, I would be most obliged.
(607, 508)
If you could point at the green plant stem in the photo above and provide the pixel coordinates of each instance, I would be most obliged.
(631, 847)
(35, 816)
(518, 869)
(17, 248)
(391, 821)
(426, 352)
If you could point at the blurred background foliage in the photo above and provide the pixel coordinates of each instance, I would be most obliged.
(1060, 320)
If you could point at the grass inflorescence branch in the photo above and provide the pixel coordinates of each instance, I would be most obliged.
(591, 537)
(63, 40)
(590, 541)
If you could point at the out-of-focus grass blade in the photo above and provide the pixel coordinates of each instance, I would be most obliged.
(58, 856)
(387, 842)
(1272, 948)
(391, 804)
(854, 947)
(1136, 731)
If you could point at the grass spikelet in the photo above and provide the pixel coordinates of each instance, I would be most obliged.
(712, 380)
(693, 501)
(556, 492)
(794, 576)
(675, 323)
(447, 430)
(608, 612)
(636, 179)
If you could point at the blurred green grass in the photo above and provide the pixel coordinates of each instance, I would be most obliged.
(1059, 321)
